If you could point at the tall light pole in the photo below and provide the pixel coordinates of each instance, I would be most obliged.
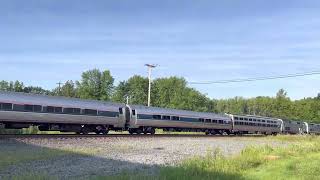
(59, 90)
(150, 67)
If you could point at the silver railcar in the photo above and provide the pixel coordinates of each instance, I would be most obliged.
(248, 124)
(314, 128)
(146, 119)
(20, 110)
(295, 127)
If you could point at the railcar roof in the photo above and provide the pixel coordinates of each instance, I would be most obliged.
(153, 110)
(17, 97)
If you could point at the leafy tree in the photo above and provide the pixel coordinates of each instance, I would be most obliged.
(121, 92)
(35, 90)
(95, 85)
(4, 86)
(281, 94)
(68, 89)
(106, 86)
(18, 86)
(136, 88)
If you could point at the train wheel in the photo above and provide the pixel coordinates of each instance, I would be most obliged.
(212, 132)
(139, 131)
(152, 131)
(131, 131)
(104, 131)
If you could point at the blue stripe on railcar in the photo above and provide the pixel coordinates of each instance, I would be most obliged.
(150, 117)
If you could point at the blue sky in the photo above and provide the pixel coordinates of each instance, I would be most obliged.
(43, 42)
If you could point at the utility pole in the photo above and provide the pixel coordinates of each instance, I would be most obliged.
(59, 90)
(150, 67)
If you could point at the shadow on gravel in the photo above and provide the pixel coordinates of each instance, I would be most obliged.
(20, 160)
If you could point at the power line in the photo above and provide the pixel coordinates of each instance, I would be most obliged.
(259, 78)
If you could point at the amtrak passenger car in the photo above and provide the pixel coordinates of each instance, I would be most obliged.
(295, 127)
(246, 124)
(20, 110)
(145, 119)
(314, 129)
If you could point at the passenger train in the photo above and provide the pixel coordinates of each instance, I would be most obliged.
(51, 113)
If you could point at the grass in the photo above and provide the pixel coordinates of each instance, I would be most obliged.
(300, 160)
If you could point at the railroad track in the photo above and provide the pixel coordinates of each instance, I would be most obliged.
(63, 136)
(95, 136)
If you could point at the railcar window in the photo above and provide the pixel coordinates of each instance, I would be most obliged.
(133, 112)
(246, 119)
(201, 119)
(263, 121)
(241, 119)
(108, 113)
(50, 109)
(250, 119)
(58, 109)
(71, 110)
(208, 120)
(156, 117)
(76, 111)
(90, 112)
(220, 121)
(259, 120)
(175, 118)
(188, 119)
(254, 120)
(28, 108)
(236, 118)
(68, 110)
(37, 108)
(18, 107)
(6, 106)
(144, 116)
(165, 117)
(215, 121)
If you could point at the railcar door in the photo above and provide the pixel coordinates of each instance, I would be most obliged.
(122, 117)
(128, 117)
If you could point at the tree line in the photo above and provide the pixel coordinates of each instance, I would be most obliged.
(173, 92)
